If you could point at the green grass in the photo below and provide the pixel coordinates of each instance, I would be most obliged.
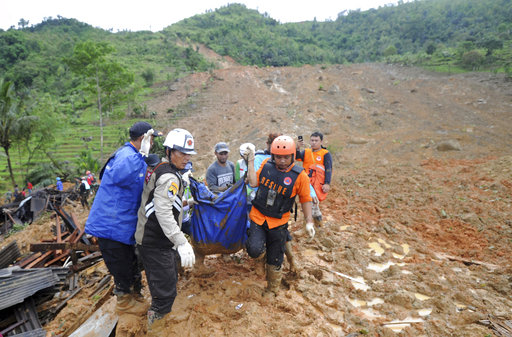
(67, 147)
(445, 68)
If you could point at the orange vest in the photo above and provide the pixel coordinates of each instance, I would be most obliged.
(314, 161)
(312, 158)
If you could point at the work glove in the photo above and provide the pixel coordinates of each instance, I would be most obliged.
(186, 255)
(310, 228)
(248, 154)
(145, 145)
(186, 177)
(191, 202)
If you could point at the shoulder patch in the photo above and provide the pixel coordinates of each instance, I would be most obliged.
(173, 189)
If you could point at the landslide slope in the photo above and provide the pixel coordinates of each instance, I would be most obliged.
(419, 213)
(413, 232)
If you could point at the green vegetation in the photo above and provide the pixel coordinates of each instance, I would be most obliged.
(70, 91)
(472, 34)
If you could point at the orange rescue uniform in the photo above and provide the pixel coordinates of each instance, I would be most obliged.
(301, 188)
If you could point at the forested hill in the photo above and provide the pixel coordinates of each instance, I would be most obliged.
(62, 73)
(421, 28)
(470, 34)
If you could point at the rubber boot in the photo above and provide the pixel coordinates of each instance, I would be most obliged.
(153, 316)
(260, 264)
(289, 255)
(127, 304)
(274, 276)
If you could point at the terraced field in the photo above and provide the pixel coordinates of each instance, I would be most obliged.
(67, 148)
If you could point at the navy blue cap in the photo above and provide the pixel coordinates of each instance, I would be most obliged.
(140, 128)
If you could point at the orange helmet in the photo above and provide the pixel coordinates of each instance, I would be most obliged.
(283, 145)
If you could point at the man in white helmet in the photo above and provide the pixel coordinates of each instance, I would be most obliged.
(158, 235)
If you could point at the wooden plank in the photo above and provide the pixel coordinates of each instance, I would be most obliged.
(57, 258)
(38, 260)
(101, 323)
(29, 259)
(59, 238)
(46, 246)
(443, 256)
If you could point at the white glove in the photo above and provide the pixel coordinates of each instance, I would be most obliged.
(191, 202)
(145, 145)
(248, 154)
(310, 228)
(186, 177)
(186, 255)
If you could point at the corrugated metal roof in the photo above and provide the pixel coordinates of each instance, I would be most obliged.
(17, 284)
(9, 254)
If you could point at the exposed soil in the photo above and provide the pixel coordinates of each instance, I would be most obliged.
(425, 235)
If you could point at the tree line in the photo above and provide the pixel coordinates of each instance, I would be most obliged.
(62, 73)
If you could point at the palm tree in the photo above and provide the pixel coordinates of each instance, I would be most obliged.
(11, 119)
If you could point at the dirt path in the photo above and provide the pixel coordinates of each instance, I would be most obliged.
(412, 233)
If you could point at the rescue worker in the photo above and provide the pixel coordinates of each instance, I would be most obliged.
(113, 216)
(84, 192)
(318, 165)
(159, 237)
(278, 181)
(59, 185)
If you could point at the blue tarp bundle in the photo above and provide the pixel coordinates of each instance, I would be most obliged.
(219, 224)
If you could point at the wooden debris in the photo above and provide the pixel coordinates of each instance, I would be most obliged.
(443, 256)
(499, 326)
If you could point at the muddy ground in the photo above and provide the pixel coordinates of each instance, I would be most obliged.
(418, 225)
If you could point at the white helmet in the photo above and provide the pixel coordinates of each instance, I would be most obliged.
(181, 140)
(245, 146)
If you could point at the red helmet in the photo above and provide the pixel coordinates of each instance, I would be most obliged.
(283, 145)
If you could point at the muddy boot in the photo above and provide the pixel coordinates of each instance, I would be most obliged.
(274, 276)
(127, 304)
(153, 316)
(139, 298)
(260, 264)
(289, 255)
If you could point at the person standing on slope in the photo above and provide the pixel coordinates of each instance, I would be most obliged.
(159, 237)
(279, 181)
(113, 216)
(318, 165)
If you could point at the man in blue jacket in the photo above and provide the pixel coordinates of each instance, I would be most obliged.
(113, 216)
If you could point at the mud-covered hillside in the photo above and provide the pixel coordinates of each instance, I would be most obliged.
(417, 236)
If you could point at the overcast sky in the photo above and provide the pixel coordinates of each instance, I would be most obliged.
(157, 14)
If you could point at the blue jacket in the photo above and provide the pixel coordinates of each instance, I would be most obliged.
(114, 211)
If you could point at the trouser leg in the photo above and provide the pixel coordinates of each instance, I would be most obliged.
(162, 274)
(276, 240)
(256, 238)
(121, 262)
